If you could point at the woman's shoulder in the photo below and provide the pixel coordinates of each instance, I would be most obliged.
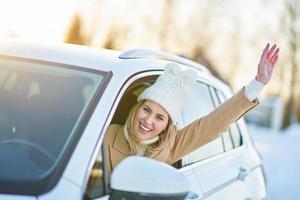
(112, 131)
(114, 127)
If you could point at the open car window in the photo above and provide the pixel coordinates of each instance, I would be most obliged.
(97, 185)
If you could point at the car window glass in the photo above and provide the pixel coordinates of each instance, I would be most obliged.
(42, 106)
(232, 138)
(95, 186)
(227, 140)
(236, 135)
(226, 137)
(199, 103)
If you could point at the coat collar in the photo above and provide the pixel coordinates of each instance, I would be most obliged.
(120, 143)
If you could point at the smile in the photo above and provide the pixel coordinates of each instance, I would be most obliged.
(145, 128)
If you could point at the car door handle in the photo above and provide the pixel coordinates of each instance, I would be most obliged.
(193, 196)
(243, 173)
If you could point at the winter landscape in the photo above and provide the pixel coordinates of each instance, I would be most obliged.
(281, 158)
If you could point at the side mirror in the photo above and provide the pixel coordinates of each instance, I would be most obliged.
(144, 178)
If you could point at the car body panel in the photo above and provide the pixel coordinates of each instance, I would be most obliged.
(65, 189)
(224, 181)
(206, 177)
(195, 187)
(16, 197)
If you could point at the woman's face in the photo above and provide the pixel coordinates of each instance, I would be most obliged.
(150, 120)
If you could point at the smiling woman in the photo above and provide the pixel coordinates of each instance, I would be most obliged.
(150, 120)
(152, 130)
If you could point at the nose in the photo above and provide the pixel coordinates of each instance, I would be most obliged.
(149, 119)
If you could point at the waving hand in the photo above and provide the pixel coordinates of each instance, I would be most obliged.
(267, 63)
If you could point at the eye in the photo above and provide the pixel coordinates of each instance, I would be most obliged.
(146, 109)
(160, 118)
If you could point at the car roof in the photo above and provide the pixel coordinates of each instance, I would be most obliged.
(59, 53)
(89, 57)
(122, 64)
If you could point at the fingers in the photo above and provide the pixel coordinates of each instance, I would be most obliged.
(274, 56)
(265, 51)
(271, 52)
(275, 60)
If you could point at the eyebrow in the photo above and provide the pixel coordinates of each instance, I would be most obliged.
(147, 107)
(160, 115)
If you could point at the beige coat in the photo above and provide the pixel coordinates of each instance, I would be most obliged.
(182, 141)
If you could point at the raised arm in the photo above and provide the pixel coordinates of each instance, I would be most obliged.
(212, 125)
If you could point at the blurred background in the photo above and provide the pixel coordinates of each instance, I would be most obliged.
(226, 36)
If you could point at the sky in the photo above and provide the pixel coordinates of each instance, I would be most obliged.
(39, 20)
(48, 20)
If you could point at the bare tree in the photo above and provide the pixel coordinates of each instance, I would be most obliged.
(116, 36)
(199, 56)
(166, 23)
(75, 32)
(202, 39)
(291, 19)
(111, 39)
(83, 28)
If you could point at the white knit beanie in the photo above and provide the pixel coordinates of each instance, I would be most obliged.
(170, 90)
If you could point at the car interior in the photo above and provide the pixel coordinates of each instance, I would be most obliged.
(34, 114)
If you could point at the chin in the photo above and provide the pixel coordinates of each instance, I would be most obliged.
(142, 137)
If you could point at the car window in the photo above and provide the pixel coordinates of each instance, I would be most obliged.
(199, 103)
(236, 135)
(99, 185)
(232, 138)
(43, 107)
(96, 187)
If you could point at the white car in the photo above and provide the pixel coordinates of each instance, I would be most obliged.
(56, 103)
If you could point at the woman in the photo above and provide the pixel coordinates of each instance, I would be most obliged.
(150, 129)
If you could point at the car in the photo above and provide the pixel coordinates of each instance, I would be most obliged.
(57, 101)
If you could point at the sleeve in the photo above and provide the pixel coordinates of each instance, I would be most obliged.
(209, 127)
(253, 89)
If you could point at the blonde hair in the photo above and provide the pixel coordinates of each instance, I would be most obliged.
(133, 140)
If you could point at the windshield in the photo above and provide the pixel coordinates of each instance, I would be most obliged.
(41, 107)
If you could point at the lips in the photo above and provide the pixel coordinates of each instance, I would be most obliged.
(144, 129)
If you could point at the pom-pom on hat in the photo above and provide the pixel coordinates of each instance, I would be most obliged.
(170, 90)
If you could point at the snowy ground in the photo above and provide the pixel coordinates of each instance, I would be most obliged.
(281, 158)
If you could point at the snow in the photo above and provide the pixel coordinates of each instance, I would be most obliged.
(280, 151)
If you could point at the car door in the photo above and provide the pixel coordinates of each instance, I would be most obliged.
(97, 187)
(218, 164)
(251, 170)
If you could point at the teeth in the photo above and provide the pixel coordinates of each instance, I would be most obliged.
(144, 128)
